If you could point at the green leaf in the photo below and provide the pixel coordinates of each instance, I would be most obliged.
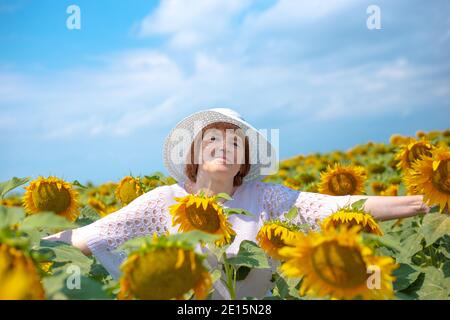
(154, 177)
(292, 214)
(250, 255)
(9, 185)
(10, 237)
(87, 216)
(66, 254)
(158, 175)
(242, 272)
(411, 246)
(58, 287)
(230, 211)
(191, 239)
(9, 216)
(45, 220)
(53, 286)
(411, 291)
(224, 195)
(435, 226)
(386, 240)
(387, 226)
(405, 276)
(446, 269)
(218, 251)
(435, 285)
(98, 272)
(358, 205)
(89, 289)
(403, 296)
(285, 288)
(78, 184)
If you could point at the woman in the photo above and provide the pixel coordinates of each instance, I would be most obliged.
(223, 155)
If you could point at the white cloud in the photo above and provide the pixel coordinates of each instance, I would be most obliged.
(118, 97)
(398, 71)
(286, 14)
(148, 89)
(135, 89)
(191, 23)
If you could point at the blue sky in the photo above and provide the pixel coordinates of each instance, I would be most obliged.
(96, 103)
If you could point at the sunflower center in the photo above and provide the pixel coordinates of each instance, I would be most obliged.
(353, 222)
(441, 178)
(418, 151)
(205, 220)
(339, 266)
(154, 275)
(277, 241)
(47, 197)
(342, 184)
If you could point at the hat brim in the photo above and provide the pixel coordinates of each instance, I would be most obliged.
(175, 151)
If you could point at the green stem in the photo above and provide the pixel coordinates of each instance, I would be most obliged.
(228, 272)
(432, 255)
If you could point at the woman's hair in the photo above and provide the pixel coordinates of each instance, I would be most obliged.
(191, 167)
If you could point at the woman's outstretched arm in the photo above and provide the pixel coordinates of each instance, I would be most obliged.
(392, 207)
(145, 215)
(71, 237)
(314, 207)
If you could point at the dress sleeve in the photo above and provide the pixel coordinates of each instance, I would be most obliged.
(311, 207)
(145, 215)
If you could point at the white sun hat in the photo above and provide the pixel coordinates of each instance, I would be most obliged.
(263, 156)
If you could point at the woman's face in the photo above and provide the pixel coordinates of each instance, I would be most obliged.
(222, 152)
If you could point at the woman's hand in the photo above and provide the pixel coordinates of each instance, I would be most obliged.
(70, 237)
(393, 207)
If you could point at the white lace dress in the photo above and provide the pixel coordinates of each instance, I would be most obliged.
(149, 213)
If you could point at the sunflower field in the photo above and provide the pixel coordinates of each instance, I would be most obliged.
(351, 256)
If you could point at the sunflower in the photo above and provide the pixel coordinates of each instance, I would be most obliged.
(200, 212)
(392, 190)
(107, 189)
(342, 180)
(306, 177)
(11, 202)
(350, 217)
(283, 173)
(397, 139)
(376, 168)
(151, 183)
(412, 151)
(421, 134)
(163, 271)
(129, 188)
(313, 187)
(292, 183)
(51, 194)
(430, 176)
(272, 235)
(336, 263)
(19, 279)
(102, 209)
(378, 187)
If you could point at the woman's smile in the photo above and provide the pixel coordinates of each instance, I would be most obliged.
(223, 160)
